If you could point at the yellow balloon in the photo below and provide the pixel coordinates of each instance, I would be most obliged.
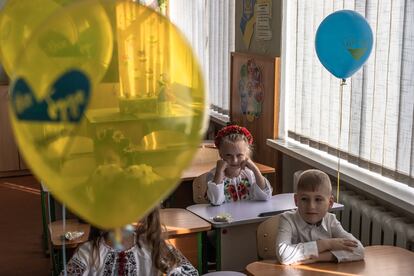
(18, 20)
(109, 149)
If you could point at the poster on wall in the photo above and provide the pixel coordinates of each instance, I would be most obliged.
(247, 21)
(251, 90)
(263, 15)
(256, 19)
(254, 97)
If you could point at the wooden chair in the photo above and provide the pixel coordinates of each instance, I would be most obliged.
(266, 238)
(200, 189)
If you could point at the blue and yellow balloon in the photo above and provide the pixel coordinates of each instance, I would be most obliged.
(109, 151)
(343, 43)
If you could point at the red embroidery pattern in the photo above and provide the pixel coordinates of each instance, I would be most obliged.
(239, 191)
(121, 262)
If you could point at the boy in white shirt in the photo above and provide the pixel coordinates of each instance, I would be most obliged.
(311, 234)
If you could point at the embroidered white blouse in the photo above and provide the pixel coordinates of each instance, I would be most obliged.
(135, 261)
(242, 187)
(296, 239)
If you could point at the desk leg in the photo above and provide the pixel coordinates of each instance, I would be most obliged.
(200, 255)
(204, 252)
(44, 222)
(52, 207)
(56, 261)
(218, 249)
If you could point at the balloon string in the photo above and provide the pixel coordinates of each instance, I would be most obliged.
(341, 90)
(64, 239)
(118, 238)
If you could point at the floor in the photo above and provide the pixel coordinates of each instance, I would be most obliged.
(21, 228)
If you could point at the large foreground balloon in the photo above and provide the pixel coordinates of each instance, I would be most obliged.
(109, 149)
(343, 42)
(18, 20)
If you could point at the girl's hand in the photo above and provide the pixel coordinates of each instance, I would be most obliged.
(249, 164)
(220, 168)
(257, 174)
(221, 165)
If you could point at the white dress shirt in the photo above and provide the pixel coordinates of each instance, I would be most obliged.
(241, 187)
(296, 239)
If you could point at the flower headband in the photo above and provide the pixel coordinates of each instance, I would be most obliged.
(233, 129)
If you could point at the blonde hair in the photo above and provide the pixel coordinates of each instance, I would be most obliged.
(311, 180)
(236, 137)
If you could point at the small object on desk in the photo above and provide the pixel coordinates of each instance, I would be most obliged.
(223, 217)
(73, 235)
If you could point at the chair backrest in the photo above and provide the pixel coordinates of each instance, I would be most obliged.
(266, 238)
(200, 189)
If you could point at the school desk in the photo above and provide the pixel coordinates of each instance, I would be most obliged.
(236, 239)
(56, 232)
(379, 260)
(183, 229)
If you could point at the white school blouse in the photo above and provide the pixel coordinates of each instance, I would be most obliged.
(241, 187)
(135, 261)
(296, 239)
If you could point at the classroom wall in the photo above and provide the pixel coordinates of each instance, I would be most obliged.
(271, 48)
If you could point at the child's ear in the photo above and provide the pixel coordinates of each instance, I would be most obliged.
(331, 201)
(295, 197)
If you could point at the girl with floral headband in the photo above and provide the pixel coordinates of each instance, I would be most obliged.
(236, 177)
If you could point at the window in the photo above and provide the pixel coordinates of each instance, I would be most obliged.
(378, 100)
(209, 27)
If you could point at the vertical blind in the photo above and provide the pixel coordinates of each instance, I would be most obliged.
(377, 102)
(209, 27)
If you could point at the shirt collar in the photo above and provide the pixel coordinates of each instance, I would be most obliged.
(303, 224)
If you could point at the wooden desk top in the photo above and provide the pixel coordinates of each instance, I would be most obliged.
(180, 221)
(56, 232)
(379, 260)
(177, 221)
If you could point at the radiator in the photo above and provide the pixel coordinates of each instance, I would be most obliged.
(373, 224)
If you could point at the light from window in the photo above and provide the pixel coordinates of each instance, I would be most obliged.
(209, 27)
(378, 100)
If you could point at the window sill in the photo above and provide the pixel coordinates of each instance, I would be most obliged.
(219, 118)
(399, 195)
